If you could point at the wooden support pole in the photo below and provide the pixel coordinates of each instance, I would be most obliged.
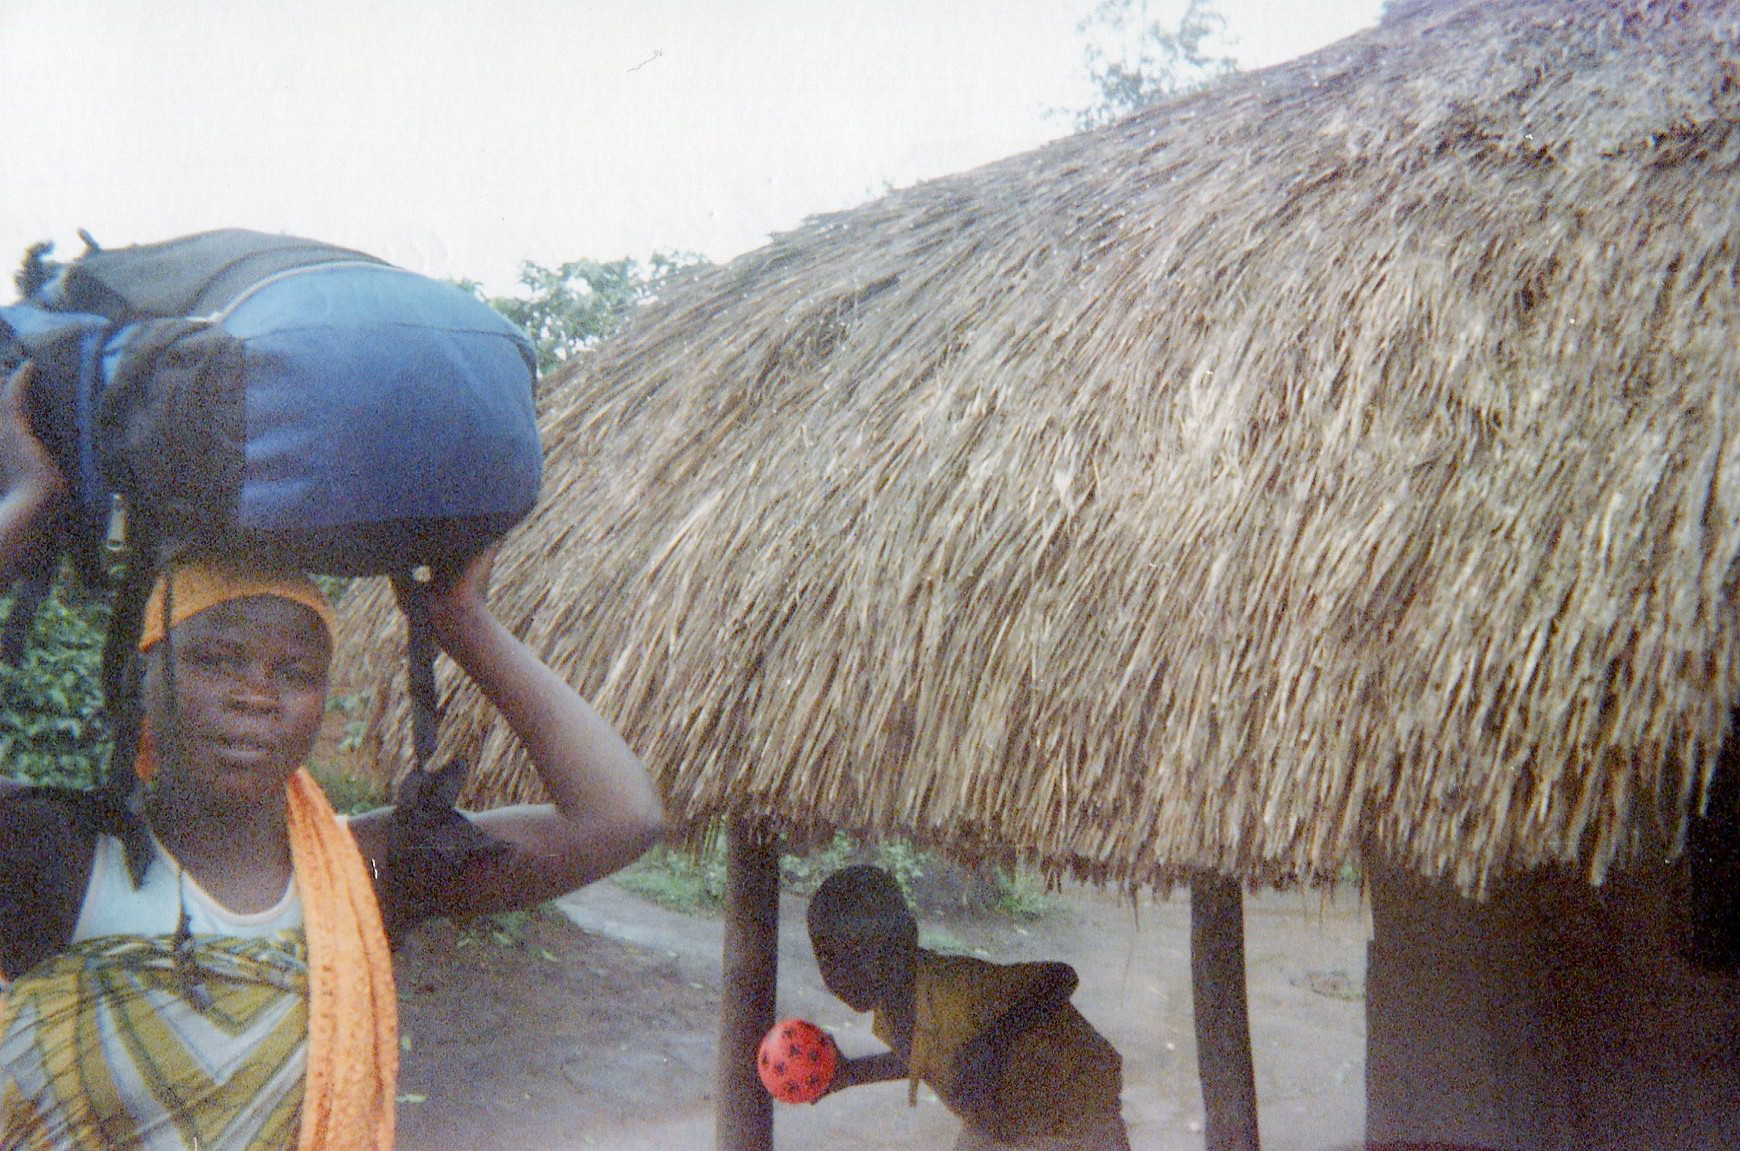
(1223, 1022)
(744, 1121)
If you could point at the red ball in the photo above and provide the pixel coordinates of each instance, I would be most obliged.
(797, 1061)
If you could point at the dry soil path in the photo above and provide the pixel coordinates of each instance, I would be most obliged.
(599, 1030)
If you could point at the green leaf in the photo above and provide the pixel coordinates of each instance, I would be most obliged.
(52, 727)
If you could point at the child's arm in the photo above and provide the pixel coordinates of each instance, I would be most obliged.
(980, 1063)
(603, 812)
(883, 1068)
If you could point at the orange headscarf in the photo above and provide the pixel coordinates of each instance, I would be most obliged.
(353, 1009)
(207, 583)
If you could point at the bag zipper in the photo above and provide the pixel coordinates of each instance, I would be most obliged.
(224, 313)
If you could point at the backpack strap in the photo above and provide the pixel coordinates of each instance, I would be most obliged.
(420, 674)
(121, 795)
(431, 848)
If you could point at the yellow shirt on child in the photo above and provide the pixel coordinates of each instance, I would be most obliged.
(1062, 1078)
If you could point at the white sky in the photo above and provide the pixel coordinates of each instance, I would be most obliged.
(458, 137)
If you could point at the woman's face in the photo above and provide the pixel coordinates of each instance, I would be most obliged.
(250, 685)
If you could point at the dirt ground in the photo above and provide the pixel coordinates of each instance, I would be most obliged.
(598, 1028)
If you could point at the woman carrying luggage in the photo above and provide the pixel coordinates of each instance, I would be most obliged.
(214, 971)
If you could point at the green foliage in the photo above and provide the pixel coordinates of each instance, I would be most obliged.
(348, 793)
(905, 863)
(692, 882)
(510, 929)
(569, 308)
(354, 708)
(333, 587)
(52, 728)
(1022, 895)
(804, 873)
(1135, 60)
(503, 928)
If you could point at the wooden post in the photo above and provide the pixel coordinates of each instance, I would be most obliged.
(1223, 1022)
(744, 1121)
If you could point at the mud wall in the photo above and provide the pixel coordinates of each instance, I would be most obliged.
(1552, 1016)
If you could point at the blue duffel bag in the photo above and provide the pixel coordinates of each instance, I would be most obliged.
(236, 387)
(240, 390)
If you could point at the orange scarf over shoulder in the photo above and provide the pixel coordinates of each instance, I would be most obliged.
(353, 1009)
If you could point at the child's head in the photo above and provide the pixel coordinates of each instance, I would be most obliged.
(864, 936)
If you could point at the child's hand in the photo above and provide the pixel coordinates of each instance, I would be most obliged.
(881, 1068)
(841, 1078)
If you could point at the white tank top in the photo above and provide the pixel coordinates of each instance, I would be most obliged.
(113, 906)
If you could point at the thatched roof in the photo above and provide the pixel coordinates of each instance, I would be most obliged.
(1347, 456)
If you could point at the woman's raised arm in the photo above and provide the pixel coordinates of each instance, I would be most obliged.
(603, 812)
(34, 486)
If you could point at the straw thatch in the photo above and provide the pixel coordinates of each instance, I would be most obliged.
(1344, 457)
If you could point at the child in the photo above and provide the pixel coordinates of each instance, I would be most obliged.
(1000, 1044)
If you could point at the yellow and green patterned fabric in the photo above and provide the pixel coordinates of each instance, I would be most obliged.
(121, 1042)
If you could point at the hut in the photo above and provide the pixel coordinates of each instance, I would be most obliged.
(1337, 467)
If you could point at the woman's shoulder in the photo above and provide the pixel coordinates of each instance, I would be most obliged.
(47, 836)
(40, 810)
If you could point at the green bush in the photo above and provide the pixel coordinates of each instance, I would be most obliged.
(52, 727)
(349, 794)
(355, 709)
(569, 308)
(693, 881)
(1022, 895)
(906, 864)
(804, 873)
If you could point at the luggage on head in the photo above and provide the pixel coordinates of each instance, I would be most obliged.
(241, 389)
